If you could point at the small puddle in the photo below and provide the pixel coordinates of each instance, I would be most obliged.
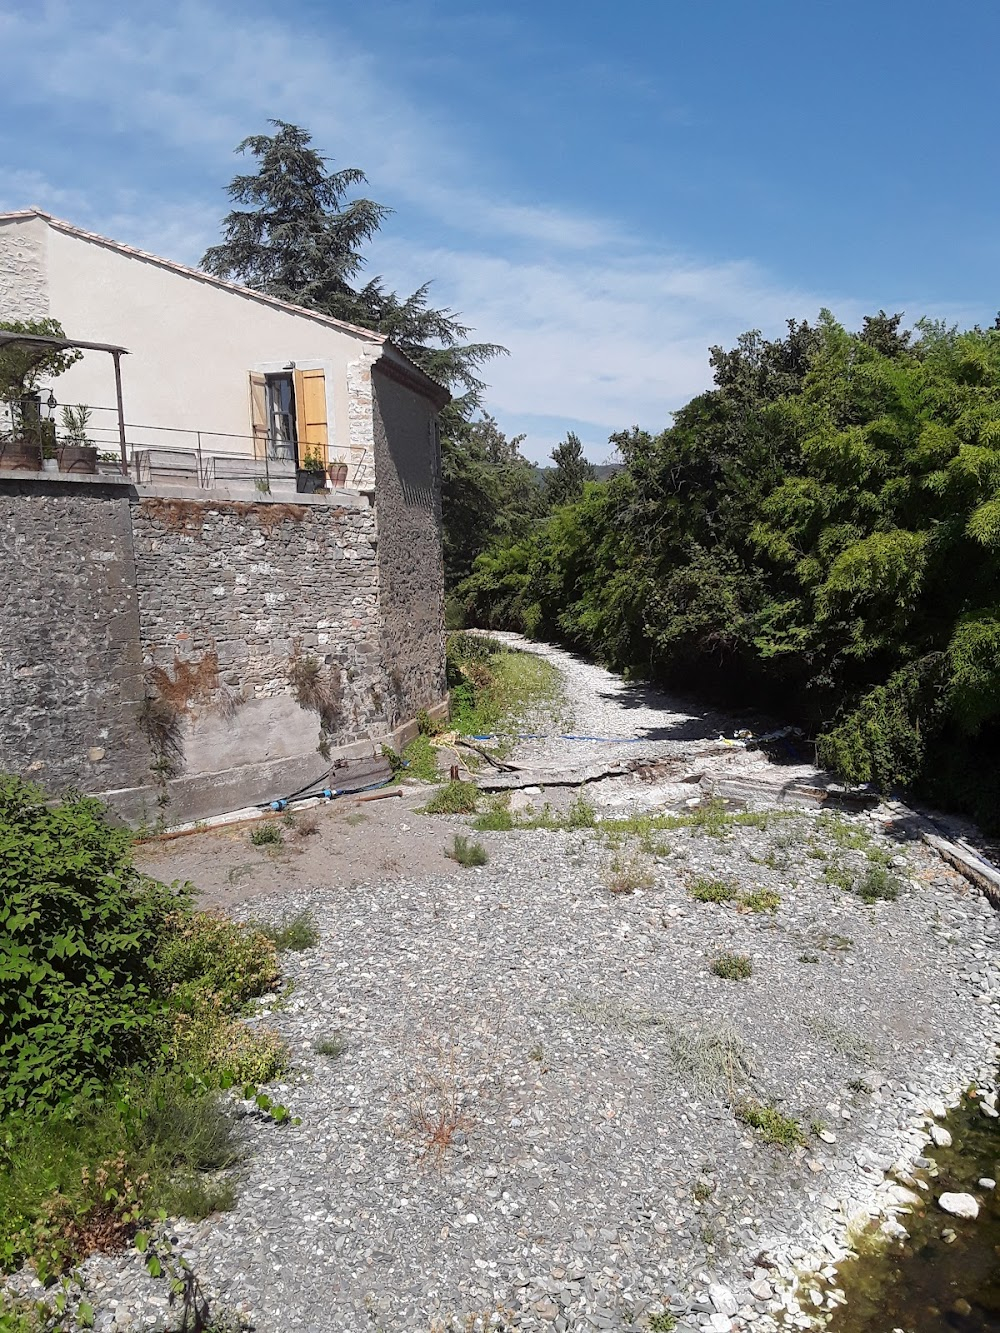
(926, 1283)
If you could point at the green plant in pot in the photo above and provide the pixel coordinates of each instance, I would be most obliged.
(312, 471)
(77, 452)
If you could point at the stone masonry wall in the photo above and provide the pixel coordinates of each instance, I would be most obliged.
(259, 629)
(23, 279)
(71, 682)
(411, 573)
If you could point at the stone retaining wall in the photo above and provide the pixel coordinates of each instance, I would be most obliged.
(185, 655)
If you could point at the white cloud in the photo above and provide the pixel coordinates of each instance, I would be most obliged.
(604, 327)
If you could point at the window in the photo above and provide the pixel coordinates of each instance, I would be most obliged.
(288, 415)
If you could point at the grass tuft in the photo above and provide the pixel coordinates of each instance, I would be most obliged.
(732, 966)
(770, 1123)
(466, 853)
(626, 874)
(456, 798)
(332, 1047)
(704, 890)
(496, 819)
(878, 885)
(267, 834)
(297, 933)
(420, 760)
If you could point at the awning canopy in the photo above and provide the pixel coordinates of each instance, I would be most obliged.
(8, 336)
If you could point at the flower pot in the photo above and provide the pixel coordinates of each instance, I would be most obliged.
(77, 457)
(337, 473)
(20, 455)
(308, 480)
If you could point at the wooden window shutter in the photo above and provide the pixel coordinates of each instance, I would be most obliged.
(310, 414)
(258, 414)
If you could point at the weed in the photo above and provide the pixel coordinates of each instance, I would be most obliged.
(307, 825)
(732, 966)
(878, 884)
(266, 834)
(355, 818)
(456, 798)
(537, 1053)
(808, 957)
(838, 876)
(761, 900)
(466, 853)
(625, 874)
(843, 1040)
(849, 837)
(420, 760)
(297, 933)
(317, 686)
(664, 1322)
(236, 873)
(770, 1123)
(704, 890)
(817, 1127)
(702, 1191)
(497, 818)
(332, 1047)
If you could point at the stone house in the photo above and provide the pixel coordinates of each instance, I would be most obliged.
(197, 636)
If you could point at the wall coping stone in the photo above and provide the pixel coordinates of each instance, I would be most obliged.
(64, 482)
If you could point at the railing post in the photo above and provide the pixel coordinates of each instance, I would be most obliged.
(121, 410)
(201, 466)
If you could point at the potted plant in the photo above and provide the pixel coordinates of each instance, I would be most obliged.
(22, 431)
(338, 471)
(311, 473)
(76, 452)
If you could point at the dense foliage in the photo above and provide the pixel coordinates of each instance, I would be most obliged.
(820, 532)
(120, 1021)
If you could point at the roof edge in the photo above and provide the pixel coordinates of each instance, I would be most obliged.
(185, 270)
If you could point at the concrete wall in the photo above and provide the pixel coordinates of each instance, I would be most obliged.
(71, 679)
(192, 344)
(411, 574)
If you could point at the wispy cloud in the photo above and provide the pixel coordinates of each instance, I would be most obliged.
(604, 327)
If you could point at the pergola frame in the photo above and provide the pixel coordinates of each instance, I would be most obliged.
(7, 337)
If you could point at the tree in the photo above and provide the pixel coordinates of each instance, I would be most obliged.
(22, 365)
(491, 493)
(564, 483)
(299, 237)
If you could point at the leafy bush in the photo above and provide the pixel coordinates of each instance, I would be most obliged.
(761, 900)
(78, 931)
(878, 884)
(204, 954)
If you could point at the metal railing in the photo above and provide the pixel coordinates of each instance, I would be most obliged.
(149, 439)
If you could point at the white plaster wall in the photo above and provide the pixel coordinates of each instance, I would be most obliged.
(192, 346)
(23, 287)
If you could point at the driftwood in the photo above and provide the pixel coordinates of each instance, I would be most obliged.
(963, 858)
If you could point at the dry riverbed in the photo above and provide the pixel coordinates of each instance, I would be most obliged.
(544, 1104)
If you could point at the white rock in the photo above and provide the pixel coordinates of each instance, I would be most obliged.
(722, 1298)
(986, 1183)
(940, 1136)
(959, 1205)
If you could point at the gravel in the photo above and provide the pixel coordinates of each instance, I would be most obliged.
(535, 1108)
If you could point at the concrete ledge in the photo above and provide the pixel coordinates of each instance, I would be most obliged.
(203, 795)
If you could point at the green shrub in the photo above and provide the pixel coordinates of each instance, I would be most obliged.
(467, 853)
(267, 834)
(332, 1047)
(704, 890)
(420, 760)
(78, 930)
(456, 798)
(298, 933)
(733, 966)
(204, 954)
(761, 900)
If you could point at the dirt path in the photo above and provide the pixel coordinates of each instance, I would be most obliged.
(542, 1102)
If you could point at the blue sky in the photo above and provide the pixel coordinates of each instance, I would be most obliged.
(605, 188)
